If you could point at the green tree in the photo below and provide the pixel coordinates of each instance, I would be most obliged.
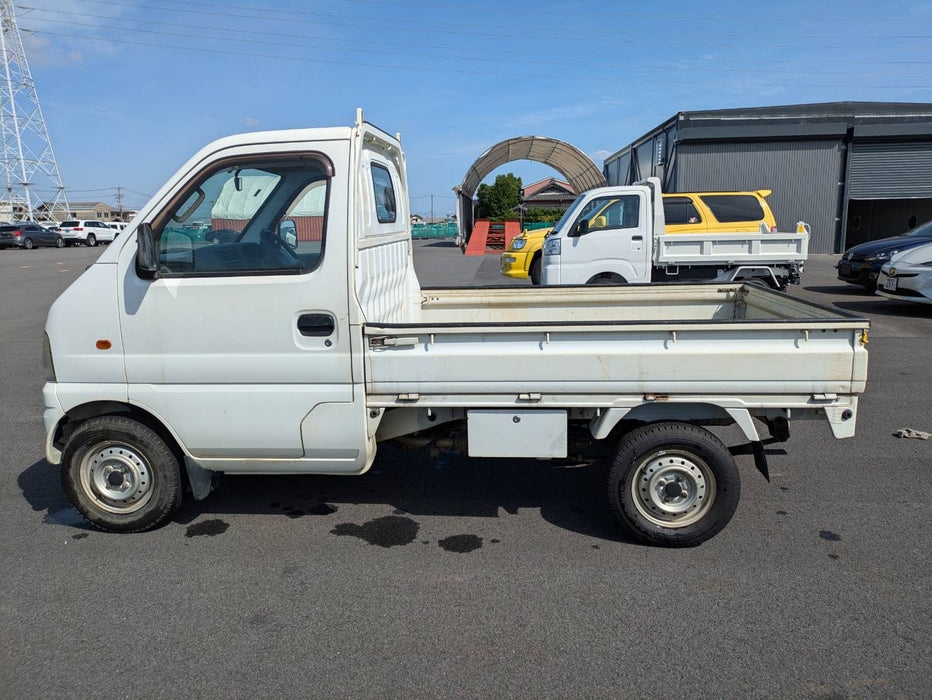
(498, 200)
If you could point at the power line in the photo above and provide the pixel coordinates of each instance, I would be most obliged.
(420, 54)
(637, 15)
(433, 69)
(483, 30)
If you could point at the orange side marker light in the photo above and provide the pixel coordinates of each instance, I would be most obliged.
(103, 345)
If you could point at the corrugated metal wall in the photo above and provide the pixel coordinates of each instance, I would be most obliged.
(803, 175)
(890, 170)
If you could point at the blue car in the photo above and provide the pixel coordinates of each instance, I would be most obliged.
(861, 264)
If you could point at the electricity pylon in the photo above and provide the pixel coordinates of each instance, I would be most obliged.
(27, 158)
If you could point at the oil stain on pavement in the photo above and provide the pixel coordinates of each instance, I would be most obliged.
(829, 535)
(389, 531)
(207, 528)
(461, 544)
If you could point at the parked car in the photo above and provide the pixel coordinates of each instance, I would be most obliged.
(86, 231)
(29, 235)
(908, 276)
(861, 264)
(684, 212)
(118, 226)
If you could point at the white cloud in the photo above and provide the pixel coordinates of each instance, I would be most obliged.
(601, 154)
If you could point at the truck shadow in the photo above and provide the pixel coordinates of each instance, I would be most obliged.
(881, 306)
(568, 495)
(844, 289)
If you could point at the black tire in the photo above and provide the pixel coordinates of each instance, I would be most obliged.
(91, 240)
(143, 462)
(534, 270)
(607, 278)
(59, 242)
(28, 244)
(696, 462)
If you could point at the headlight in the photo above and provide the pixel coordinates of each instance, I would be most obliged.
(552, 245)
(882, 256)
(518, 243)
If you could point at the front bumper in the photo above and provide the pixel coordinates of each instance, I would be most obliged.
(863, 272)
(515, 264)
(51, 417)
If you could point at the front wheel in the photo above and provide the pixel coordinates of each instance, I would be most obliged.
(120, 475)
(673, 484)
(534, 270)
(59, 242)
(91, 240)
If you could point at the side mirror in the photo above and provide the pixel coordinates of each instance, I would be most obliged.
(147, 262)
(288, 232)
(581, 229)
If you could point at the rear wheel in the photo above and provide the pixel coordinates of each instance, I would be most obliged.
(120, 475)
(28, 244)
(91, 240)
(534, 270)
(607, 278)
(673, 484)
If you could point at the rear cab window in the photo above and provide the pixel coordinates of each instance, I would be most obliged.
(734, 208)
(70, 224)
(384, 191)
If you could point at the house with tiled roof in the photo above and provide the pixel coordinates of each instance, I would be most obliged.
(550, 193)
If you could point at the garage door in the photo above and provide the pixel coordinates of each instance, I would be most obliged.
(890, 170)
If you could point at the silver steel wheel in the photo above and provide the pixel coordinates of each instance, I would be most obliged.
(673, 488)
(116, 477)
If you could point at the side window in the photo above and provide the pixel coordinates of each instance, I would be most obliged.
(247, 219)
(384, 194)
(680, 210)
(611, 212)
(732, 208)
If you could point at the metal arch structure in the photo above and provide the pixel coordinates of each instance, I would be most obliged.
(574, 165)
(27, 158)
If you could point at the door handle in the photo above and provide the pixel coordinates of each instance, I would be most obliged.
(637, 238)
(316, 325)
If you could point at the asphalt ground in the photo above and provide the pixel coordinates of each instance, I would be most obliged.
(476, 577)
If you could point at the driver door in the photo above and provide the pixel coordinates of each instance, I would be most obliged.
(237, 342)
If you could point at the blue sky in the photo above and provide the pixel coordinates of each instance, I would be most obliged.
(130, 88)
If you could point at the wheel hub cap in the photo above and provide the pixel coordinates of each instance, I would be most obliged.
(116, 477)
(673, 488)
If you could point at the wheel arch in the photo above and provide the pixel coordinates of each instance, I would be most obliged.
(692, 412)
(73, 417)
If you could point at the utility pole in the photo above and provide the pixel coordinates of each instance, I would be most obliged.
(120, 201)
(24, 139)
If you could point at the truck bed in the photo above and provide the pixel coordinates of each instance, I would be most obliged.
(585, 345)
(731, 248)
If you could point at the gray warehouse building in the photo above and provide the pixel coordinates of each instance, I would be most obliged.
(854, 171)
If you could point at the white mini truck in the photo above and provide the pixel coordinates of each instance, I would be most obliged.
(302, 339)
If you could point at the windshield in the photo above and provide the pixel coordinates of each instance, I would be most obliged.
(567, 215)
(924, 230)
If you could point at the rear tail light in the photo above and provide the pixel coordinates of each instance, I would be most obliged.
(773, 229)
(17, 233)
(77, 228)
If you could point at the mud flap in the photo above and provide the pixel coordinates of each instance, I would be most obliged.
(201, 480)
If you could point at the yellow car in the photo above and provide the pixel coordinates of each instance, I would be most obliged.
(684, 212)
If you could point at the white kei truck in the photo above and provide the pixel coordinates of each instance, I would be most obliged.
(617, 235)
(296, 346)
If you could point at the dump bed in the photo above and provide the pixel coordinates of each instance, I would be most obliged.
(731, 248)
(592, 343)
